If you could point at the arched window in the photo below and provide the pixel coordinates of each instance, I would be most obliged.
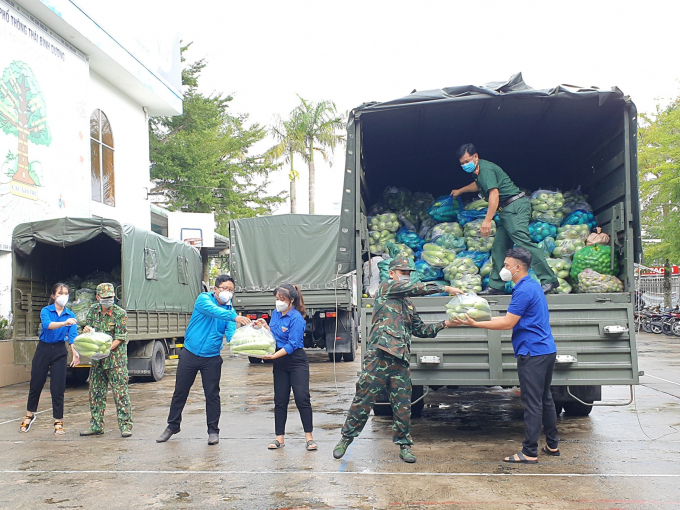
(101, 147)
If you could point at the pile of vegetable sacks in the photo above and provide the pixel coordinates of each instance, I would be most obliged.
(473, 306)
(253, 341)
(93, 345)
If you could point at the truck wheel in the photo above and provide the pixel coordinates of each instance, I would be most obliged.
(417, 408)
(255, 361)
(558, 409)
(349, 356)
(337, 356)
(157, 361)
(354, 344)
(79, 375)
(576, 409)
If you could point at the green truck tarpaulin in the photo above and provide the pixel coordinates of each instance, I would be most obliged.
(287, 248)
(158, 274)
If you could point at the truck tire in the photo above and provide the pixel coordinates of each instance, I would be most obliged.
(417, 408)
(352, 354)
(79, 375)
(157, 361)
(576, 409)
(337, 356)
(255, 361)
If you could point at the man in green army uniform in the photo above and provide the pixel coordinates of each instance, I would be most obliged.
(386, 363)
(106, 317)
(514, 214)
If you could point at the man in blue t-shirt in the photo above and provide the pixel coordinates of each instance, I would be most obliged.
(535, 351)
(212, 319)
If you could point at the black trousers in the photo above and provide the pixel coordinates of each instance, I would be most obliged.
(535, 376)
(292, 371)
(52, 358)
(211, 370)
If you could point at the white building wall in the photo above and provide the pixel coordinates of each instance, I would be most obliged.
(131, 154)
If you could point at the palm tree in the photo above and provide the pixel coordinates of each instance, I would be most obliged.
(291, 142)
(319, 124)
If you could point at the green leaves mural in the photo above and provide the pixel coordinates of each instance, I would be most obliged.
(23, 113)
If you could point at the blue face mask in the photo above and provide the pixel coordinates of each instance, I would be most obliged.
(469, 167)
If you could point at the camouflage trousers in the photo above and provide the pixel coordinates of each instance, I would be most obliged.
(113, 372)
(382, 371)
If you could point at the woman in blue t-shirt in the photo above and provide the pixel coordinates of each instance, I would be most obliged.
(291, 366)
(58, 327)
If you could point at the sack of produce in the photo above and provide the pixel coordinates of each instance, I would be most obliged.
(409, 220)
(486, 269)
(552, 217)
(573, 232)
(451, 242)
(377, 240)
(479, 244)
(398, 250)
(590, 281)
(426, 228)
(575, 200)
(447, 228)
(445, 208)
(477, 205)
(581, 217)
(427, 273)
(437, 256)
(253, 341)
(410, 239)
(378, 208)
(420, 202)
(547, 206)
(473, 228)
(564, 287)
(86, 296)
(597, 258)
(396, 198)
(479, 258)
(473, 306)
(387, 221)
(465, 217)
(560, 267)
(468, 283)
(597, 237)
(547, 245)
(567, 247)
(459, 267)
(371, 276)
(485, 282)
(539, 230)
(93, 345)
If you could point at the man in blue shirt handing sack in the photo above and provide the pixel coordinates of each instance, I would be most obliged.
(212, 319)
(535, 351)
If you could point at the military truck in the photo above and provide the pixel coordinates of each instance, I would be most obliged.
(160, 280)
(564, 137)
(298, 249)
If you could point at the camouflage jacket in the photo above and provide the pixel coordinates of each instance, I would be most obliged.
(395, 318)
(114, 322)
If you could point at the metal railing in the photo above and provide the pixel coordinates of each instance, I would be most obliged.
(650, 290)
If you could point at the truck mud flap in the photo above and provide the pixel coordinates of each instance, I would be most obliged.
(339, 341)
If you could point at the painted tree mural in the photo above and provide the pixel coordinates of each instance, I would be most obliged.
(23, 113)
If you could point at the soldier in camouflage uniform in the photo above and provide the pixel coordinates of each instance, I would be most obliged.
(106, 317)
(386, 363)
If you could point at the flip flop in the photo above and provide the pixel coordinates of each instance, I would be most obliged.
(548, 451)
(522, 459)
(312, 446)
(276, 444)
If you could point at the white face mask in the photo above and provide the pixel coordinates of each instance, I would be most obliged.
(506, 275)
(62, 300)
(281, 306)
(405, 278)
(106, 302)
(225, 296)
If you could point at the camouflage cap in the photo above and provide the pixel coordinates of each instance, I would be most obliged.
(402, 264)
(106, 290)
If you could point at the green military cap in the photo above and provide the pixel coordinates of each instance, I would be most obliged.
(106, 290)
(402, 264)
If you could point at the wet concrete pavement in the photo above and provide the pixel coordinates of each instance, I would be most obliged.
(617, 458)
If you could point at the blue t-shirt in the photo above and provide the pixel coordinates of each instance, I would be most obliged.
(532, 334)
(288, 330)
(53, 336)
(210, 321)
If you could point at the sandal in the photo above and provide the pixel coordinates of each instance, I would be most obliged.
(26, 424)
(521, 459)
(552, 453)
(275, 445)
(59, 428)
(312, 446)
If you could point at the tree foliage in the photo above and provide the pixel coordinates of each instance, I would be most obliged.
(201, 160)
(659, 176)
(290, 140)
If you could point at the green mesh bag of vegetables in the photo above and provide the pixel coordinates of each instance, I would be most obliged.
(597, 258)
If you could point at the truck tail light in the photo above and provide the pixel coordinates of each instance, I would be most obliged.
(265, 316)
(252, 316)
(331, 315)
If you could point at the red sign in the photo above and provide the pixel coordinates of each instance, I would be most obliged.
(659, 270)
